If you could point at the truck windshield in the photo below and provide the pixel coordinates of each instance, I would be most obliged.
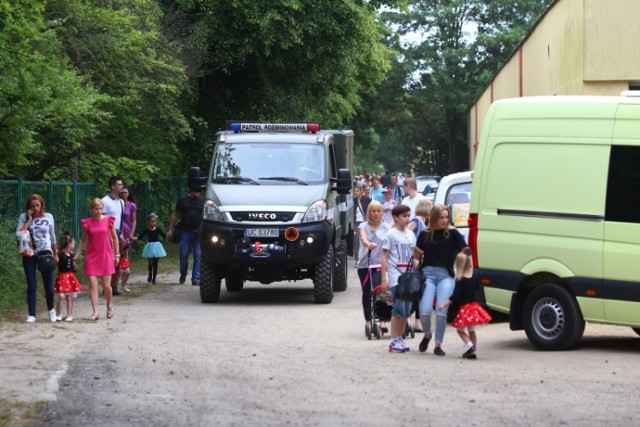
(270, 164)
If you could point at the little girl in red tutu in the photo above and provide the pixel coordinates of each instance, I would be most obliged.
(464, 296)
(66, 285)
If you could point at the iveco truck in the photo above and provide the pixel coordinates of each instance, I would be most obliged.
(278, 207)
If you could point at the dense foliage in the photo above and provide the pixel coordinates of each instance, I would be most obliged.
(138, 87)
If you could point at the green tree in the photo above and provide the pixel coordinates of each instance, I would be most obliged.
(460, 45)
(119, 46)
(45, 107)
(281, 59)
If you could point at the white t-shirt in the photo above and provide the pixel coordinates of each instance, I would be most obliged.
(113, 207)
(374, 235)
(413, 202)
(400, 246)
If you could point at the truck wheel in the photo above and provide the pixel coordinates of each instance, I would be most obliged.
(210, 281)
(552, 318)
(323, 279)
(341, 267)
(234, 285)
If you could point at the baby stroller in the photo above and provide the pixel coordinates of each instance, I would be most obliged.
(381, 303)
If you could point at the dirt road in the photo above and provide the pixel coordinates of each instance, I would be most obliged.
(270, 356)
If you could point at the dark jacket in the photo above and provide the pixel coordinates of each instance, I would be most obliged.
(364, 202)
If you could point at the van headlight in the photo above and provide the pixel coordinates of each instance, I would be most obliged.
(211, 212)
(316, 212)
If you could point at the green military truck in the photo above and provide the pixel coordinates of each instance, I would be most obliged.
(278, 207)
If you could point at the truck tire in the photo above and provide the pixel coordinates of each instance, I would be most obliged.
(233, 284)
(552, 318)
(340, 275)
(210, 281)
(323, 278)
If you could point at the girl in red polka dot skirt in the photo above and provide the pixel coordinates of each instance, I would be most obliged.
(66, 285)
(470, 314)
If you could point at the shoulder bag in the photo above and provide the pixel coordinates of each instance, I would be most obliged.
(410, 285)
(45, 260)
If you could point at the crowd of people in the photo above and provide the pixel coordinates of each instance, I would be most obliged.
(398, 229)
(107, 235)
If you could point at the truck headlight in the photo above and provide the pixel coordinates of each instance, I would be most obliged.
(316, 212)
(211, 212)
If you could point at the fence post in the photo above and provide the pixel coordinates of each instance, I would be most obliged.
(20, 201)
(74, 208)
(50, 194)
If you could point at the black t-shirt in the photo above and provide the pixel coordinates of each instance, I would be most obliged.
(441, 250)
(65, 262)
(152, 235)
(190, 209)
(465, 290)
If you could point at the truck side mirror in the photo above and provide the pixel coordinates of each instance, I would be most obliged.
(344, 182)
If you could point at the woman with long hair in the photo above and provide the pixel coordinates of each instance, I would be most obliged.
(41, 227)
(438, 246)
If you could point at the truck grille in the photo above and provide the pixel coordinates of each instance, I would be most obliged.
(267, 217)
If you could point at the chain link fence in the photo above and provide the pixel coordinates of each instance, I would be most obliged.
(68, 202)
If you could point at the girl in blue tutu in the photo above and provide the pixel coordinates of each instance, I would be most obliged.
(153, 250)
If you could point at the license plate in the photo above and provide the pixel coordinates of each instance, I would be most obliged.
(261, 232)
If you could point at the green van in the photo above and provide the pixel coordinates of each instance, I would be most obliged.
(555, 214)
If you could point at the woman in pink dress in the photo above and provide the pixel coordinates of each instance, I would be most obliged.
(99, 237)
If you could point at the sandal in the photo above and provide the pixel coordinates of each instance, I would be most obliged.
(110, 312)
(94, 316)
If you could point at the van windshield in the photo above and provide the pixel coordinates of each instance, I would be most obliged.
(273, 164)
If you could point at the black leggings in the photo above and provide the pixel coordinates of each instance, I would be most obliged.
(153, 268)
(365, 282)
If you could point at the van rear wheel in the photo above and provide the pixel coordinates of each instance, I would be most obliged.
(552, 318)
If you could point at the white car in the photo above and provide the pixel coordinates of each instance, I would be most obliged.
(455, 191)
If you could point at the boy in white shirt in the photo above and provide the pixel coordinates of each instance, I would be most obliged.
(396, 256)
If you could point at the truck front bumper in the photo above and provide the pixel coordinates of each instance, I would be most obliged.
(303, 244)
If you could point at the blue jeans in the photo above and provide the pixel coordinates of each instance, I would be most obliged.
(30, 266)
(400, 308)
(190, 241)
(440, 286)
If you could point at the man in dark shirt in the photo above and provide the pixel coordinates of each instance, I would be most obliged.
(189, 208)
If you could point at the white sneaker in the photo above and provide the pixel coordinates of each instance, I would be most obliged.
(69, 319)
(58, 318)
(31, 319)
(52, 315)
(126, 289)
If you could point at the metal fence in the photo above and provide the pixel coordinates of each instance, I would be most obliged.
(68, 202)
